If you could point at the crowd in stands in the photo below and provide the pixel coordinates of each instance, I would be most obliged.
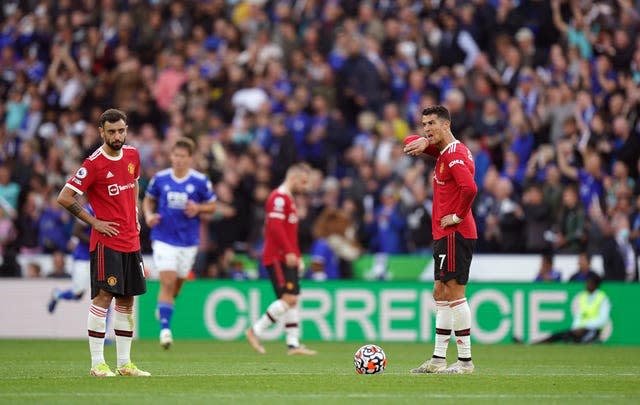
(546, 94)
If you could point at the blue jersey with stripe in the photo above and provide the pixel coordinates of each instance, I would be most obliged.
(171, 195)
(81, 251)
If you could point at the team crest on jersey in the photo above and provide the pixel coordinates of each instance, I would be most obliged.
(190, 188)
(81, 173)
(278, 203)
(441, 167)
(130, 168)
(289, 285)
(112, 281)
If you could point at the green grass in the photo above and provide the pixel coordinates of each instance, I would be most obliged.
(208, 372)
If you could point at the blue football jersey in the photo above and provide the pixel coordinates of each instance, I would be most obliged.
(171, 196)
(81, 251)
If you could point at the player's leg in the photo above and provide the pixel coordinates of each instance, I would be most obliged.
(274, 311)
(166, 305)
(123, 322)
(291, 318)
(444, 320)
(97, 318)
(437, 362)
(166, 258)
(79, 283)
(460, 251)
(97, 327)
(563, 336)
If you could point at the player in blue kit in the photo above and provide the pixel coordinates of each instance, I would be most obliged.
(80, 273)
(172, 206)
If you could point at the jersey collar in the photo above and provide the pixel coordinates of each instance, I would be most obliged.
(448, 146)
(180, 179)
(284, 190)
(105, 154)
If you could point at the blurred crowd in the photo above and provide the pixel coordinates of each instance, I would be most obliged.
(546, 94)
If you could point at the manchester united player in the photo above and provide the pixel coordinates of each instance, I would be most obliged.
(454, 234)
(109, 178)
(282, 260)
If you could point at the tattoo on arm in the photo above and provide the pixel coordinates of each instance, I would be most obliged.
(75, 209)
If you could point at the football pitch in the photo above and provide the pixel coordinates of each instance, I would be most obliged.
(213, 372)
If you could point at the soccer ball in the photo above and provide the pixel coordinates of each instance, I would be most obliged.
(370, 359)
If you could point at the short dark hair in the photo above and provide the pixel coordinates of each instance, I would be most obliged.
(594, 277)
(112, 115)
(439, 110)
(185, 143)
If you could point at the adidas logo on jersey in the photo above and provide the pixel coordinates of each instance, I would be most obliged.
(109, 175)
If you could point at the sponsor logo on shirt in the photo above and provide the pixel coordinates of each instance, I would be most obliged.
(115, 189)
(109, 175)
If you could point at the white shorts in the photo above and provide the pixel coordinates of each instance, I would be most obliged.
(167, 257)
(81, 276)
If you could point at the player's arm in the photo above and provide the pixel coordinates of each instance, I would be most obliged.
(468, 190)
(193, 208)
(276, 223)
(67, 199)
(207, 204)
(151, 217)
(419, 146)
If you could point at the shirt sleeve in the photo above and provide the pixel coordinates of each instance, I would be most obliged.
(83, 178)
(207, 194)
(432, 150)
(464, 179)
(136, 170)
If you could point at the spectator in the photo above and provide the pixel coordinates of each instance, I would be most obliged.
(59, 266)
(618, 256)
(589, 318)
(546, 272)
(9, 193)
(529, 74)
(505, 219)
(584, 268)
(33, 270)
(569, 234)
(538, 220)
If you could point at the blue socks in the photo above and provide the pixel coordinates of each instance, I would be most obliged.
(165, 311)
(66, 295)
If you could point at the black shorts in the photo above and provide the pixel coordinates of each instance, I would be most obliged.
(119, 273)
(284, 279)
(452, 258)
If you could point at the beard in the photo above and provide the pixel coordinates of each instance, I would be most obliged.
(115, 145)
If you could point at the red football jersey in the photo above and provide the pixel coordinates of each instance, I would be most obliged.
(109, 183)
(281, 227)
(454, 189)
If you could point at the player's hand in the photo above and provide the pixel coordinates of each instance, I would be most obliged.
(106, 228)
(152, 219)
(446, 221)
(192, 209)
(300, 267)
(291, 260)
(416, 147)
